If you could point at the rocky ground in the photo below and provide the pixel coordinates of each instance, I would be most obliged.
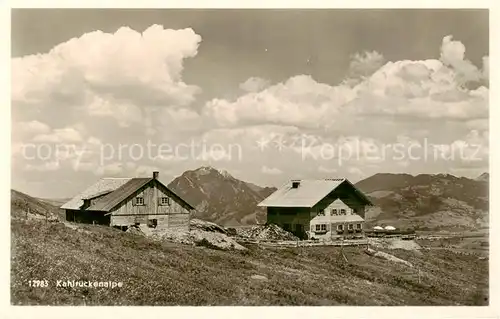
(200, 233)
(265, 232)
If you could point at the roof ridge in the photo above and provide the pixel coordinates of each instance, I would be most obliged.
(308, 194)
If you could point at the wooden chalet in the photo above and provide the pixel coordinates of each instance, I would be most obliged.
(317, 208)
(123, 202)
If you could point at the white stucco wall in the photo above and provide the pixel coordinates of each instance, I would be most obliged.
(331, 226)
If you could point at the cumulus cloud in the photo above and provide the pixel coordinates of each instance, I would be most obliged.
(145, 170)
(127, 88)
(486, 68)
(113, 169)
(395, 94)
(327, 170)
(254, 84)
(365, 64)
(149, 64)
(109, 75)
(101, 89)
(31, 127)
(453, 55)
(44, 167)
(62, 135)
(299, 101)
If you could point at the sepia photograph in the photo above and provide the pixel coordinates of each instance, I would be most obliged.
(249, 157)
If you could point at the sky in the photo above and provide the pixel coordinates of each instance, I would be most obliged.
(266, 95)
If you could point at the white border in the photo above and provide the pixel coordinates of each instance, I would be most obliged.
(248, 312)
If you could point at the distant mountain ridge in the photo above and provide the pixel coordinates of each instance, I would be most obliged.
(221, 198)
(427, 201)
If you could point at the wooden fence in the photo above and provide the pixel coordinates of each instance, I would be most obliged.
(303, 243)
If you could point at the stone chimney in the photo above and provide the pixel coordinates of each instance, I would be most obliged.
(155, 175)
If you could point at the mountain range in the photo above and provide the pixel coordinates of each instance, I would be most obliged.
(425, 201)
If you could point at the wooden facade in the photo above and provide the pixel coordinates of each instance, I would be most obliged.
(175, 214)
(134, 201)
(293, 219)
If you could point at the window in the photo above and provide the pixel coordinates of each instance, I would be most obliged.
(340, 227)
(342, 211)
(358, 226)
(139, 201)
(351, 226)
(334, 212)
(164, 201)
(320, 228)
(321, 212)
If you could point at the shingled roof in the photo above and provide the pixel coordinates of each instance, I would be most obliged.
(113, 192)
(307, 194)
(104, 184)
(114, 198)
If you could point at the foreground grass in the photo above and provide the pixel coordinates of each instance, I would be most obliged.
(159, 273)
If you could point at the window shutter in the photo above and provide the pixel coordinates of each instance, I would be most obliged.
(159, 201)
(134, 201)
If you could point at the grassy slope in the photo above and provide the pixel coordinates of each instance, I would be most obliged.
(157, 273)
(21, 203)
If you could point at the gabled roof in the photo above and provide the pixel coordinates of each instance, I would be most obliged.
(113, 192)
(307, 194)
(104, 184)
(114, 198)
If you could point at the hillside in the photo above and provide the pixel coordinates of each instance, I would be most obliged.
(22, 205)
(221, 198)
(426, 201)
(162, 273)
